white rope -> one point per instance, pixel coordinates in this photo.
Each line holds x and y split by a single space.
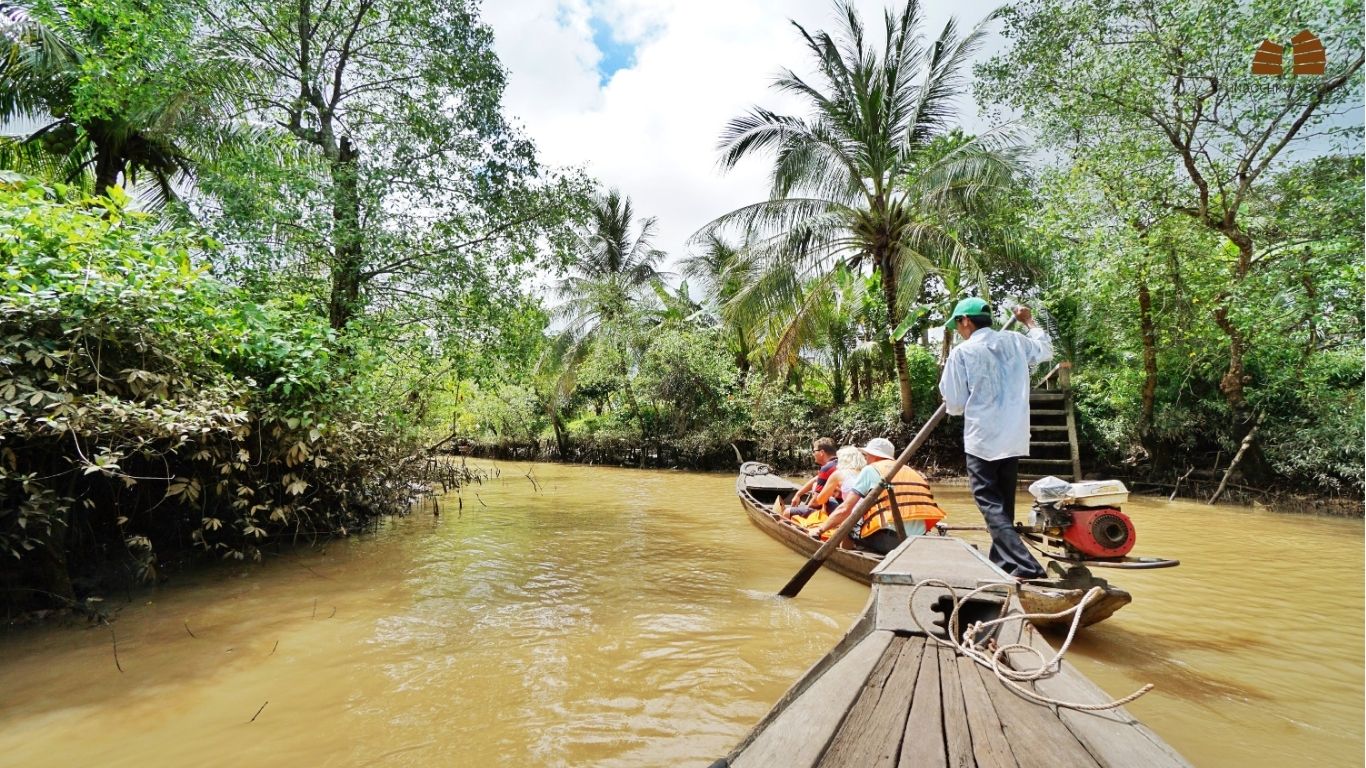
972 644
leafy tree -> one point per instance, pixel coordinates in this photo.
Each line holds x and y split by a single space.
415 186
1161 75
689 379
721 270
839 189
1133 282
117 89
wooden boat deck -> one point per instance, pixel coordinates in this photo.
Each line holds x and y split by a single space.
890 695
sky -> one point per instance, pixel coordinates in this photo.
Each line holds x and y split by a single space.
636 92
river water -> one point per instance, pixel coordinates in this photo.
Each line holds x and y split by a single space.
615 617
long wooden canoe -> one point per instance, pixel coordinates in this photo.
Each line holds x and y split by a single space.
758 488
891 693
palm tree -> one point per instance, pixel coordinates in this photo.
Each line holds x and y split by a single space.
836 327
840 191
42 64
721 271
987 232
617 267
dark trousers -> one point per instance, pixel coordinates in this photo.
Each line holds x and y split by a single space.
993 488
882 541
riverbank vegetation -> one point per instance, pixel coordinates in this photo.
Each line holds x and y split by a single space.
1190 233
259 261
234 291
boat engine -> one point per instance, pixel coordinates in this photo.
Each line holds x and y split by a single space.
1082 523
1105 532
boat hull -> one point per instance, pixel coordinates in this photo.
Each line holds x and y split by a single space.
757 497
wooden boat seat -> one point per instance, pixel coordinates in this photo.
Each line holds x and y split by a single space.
934 557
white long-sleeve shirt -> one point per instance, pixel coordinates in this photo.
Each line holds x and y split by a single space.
986 379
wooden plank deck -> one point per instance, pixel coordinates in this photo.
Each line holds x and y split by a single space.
891 696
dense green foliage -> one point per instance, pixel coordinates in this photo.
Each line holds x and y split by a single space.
149 408
1212 264
340 260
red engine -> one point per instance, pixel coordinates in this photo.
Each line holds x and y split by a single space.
1100 532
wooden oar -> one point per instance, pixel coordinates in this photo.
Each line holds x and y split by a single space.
795 584
814 564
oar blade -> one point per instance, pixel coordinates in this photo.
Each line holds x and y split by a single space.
795 584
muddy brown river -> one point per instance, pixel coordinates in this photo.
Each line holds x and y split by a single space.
613 617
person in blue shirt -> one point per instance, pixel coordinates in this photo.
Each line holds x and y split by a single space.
986 380
877 529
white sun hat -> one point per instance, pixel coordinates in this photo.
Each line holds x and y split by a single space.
880 447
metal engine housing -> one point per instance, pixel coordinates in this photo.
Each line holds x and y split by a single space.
1100 532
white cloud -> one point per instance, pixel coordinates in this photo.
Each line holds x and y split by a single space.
651 130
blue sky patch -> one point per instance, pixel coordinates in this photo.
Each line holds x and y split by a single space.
616 55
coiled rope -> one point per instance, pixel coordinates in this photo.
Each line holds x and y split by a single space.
973 644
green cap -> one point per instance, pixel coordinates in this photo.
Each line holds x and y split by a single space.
966 308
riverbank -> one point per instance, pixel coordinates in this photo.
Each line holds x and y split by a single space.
940 460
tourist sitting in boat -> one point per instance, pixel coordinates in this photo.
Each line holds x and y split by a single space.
823 452
849 462
914 501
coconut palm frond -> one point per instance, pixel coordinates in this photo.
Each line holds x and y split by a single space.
37 64
29 156
864 179
811 311
758 221
945 81
756 131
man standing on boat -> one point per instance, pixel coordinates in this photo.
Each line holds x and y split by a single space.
986 380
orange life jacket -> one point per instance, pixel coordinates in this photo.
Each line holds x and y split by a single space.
913 499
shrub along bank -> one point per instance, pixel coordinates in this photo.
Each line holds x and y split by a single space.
150 412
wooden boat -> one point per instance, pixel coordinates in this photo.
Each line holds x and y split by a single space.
891 693
758 488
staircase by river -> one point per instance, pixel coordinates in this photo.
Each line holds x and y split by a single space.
1052 429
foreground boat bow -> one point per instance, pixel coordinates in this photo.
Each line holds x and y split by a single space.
891 693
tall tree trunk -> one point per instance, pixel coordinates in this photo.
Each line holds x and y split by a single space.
1149 334
837 379
903 369
561 439
108 164
855 391
346 238
625 372
1233 381
1311 308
